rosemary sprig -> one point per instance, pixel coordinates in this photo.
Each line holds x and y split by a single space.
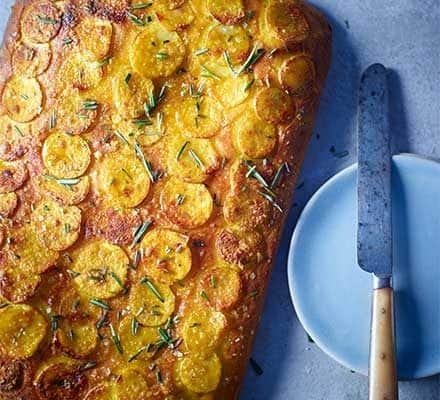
44 19
181 150
140 6
140 232
135 19
145 162
207 73
254 56
150 285
201 51
271 199
195 158
90 104
116 339
100 304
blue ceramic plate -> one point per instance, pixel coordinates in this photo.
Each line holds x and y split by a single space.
332 295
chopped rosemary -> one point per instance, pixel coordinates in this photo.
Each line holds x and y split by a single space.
140 6
213 281
195 158
117 279
137 353
100 304
142 122
116 339
165 338
254 56
128 77
104 61
270 198
68 181
201 51
89 104
207 73
135 19
159 377
54 322
145 162
153 101
134 326
140 232
277 178
67 41
121 137
253 172
180 198
44 19
181 150
204 295
52 120
88 365
145 281
249 85
66 228
162 55
18 130
228 60
126 173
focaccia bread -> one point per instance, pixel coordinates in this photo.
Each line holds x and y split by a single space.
148 156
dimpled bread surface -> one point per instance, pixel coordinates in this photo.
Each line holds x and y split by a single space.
148 156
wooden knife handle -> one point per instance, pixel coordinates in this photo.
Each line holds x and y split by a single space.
383 375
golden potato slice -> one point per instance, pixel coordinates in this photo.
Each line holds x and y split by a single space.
78 72
130 92
156 52
201 375
95 36
136 339
144 134
18 285
253 138
131 384
167 257
192 160
57 226
74 114
274 106
285 22
233 39
226 12
199 117
297 74
188 205
152 303
23 98
78 338
67 195
40 22
65 371
22 328
8 204
14 138
13 175
241 246
103 391
66 156
26 253
220 287
175 15
101 268
202 329
122 179
31 60
232 91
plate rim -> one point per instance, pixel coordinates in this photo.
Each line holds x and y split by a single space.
398 158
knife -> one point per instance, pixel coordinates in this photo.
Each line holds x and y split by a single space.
374 234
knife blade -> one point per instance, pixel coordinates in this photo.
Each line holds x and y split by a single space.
374 235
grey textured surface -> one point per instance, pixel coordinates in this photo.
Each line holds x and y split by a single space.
404 35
